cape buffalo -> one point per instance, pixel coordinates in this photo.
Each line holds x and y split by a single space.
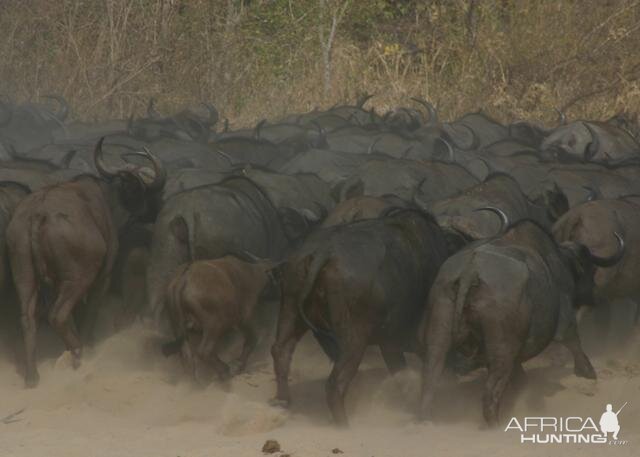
501 302
501 190
354 285
591 142
591 224
208 298
63 240
235 215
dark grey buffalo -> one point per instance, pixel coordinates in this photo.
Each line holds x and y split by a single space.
424 182
208 222
499 190
354 285
591 142
32 125
332 167
501 302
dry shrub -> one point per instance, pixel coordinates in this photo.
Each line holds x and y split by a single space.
259 58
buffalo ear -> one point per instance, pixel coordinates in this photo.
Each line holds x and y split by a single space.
131 191
556 202
576 256
456 240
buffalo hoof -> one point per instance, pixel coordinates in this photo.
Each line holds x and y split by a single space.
585 370
278 403
31 381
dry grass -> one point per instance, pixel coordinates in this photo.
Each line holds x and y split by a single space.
515 59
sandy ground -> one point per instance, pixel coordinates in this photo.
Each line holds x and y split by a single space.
127 400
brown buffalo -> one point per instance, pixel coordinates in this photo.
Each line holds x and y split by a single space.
206 299
591 224
63 240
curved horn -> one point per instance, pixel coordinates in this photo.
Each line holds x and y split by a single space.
159 172
562 117
152 113
105 170
593 195
475 141
490 168
372 145
501 214
225 156
433 114
362 100
213 113
254 258
258 128
452 154
606 262
593 146
63 112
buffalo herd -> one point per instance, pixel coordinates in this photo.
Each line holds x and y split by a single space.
470 242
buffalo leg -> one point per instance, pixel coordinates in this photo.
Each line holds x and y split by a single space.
61 318
344 370
290 329
29 296
88 327
582 365
29 329
207 352
249 344
437 339
393 357
502 348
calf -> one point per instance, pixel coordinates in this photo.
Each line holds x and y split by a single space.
208 298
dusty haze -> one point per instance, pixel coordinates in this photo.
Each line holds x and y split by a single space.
127 400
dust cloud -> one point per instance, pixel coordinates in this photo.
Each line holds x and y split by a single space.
128 400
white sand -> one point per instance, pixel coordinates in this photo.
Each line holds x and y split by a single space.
126 400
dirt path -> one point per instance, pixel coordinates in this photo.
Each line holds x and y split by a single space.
127 401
